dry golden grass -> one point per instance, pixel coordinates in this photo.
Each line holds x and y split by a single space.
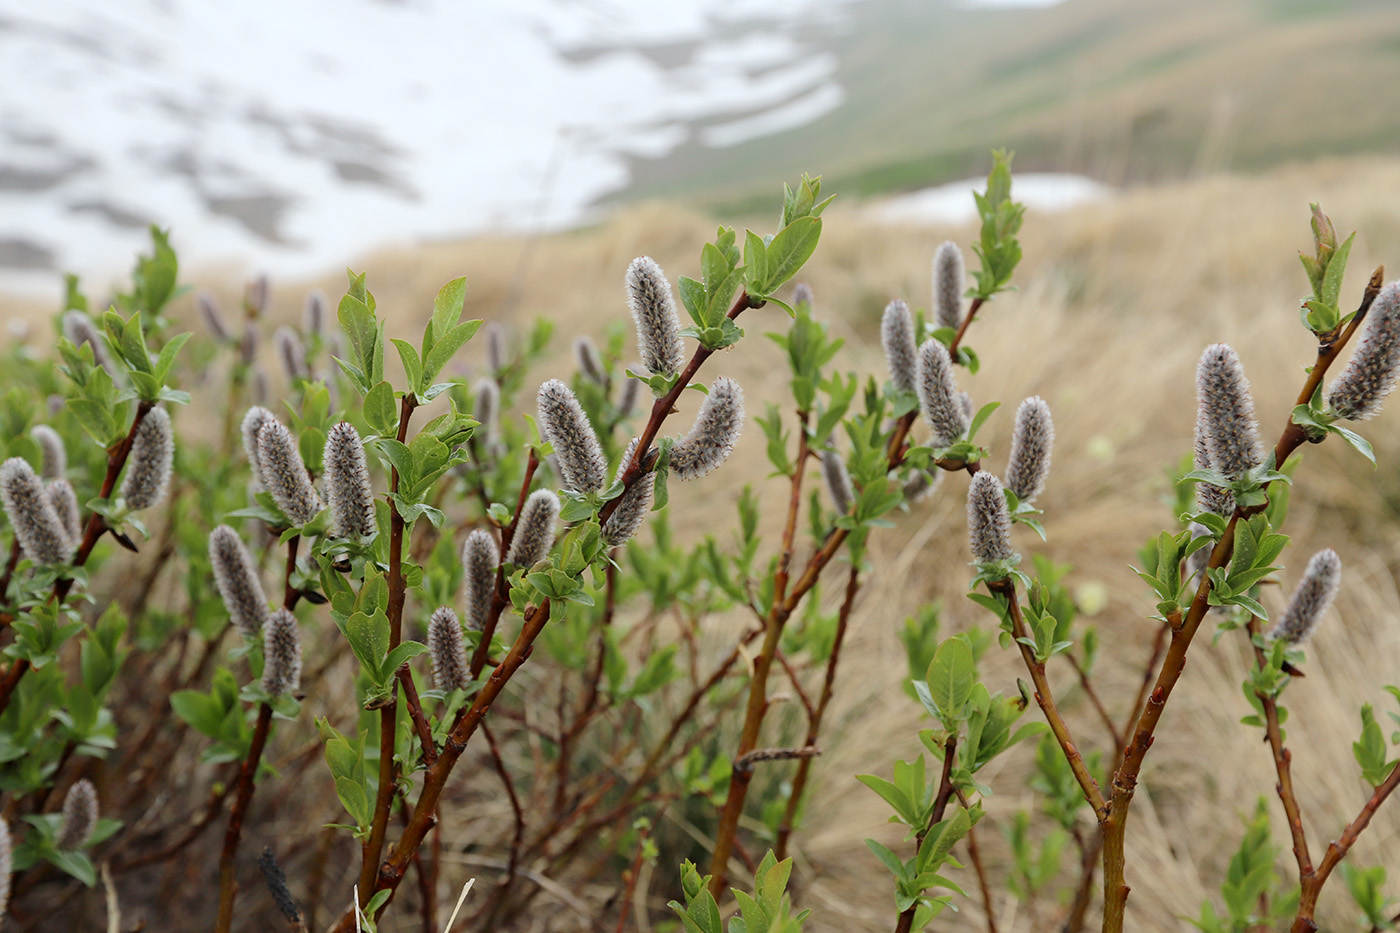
1114 307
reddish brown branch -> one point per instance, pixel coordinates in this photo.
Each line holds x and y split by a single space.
228 874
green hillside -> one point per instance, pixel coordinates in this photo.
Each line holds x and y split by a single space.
1121 91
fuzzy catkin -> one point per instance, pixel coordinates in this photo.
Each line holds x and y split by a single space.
897 337
949 274
281 654
148 466
801 295
988 520
65 504
1031 443
627 398
313 312
1311 600
79 330
496 357
1371 373
256 292
712 436
54 454
486 405
291 352
284 474
79 816
838 480
1213 499
589 361
534 529
939 399
632 505
480 558
213 317
6 867
237 579
1227 412
38 527
448 651
248 345
654 311
566 426
921 484
253 422
348 490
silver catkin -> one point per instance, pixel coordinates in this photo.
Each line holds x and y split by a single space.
236 577
988 521
1370 375
480 558
654 311
1031 443
448 651
148 466
79 816
712 436
589 361
897 337
486 406
939 398
1214 499
313 312
632 506
284 474
921 484
39 529
838 480
253 422
79 330
1311 600
534 529
65 503
248 345
348 490
291 352
627 398
566 426
496 357
1227 412
801 295
258 390
54 454
213 318
949 276
6 867
281 654
256 293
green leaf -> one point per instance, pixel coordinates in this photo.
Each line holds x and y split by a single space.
1336 269
446 346
791 249
447 310
755 263
412 366
950 678
380 411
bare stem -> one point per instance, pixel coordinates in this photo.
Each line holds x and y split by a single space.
228 875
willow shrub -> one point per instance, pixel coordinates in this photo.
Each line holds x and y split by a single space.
521 530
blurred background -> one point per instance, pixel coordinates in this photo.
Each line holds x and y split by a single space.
1167 149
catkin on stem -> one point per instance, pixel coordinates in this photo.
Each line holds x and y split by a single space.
1213 499
939 399
1310 601
1031 443
589 361
897 338
52 450
496 358
566 426
486 407
64 500
148 466
291 352
1370 375
313 313
281 654
213 317
38 527
712 436
448 651
480 558
79 816
6 866
534 529
838 480
284 474
654 311
949 276
988 520
253 422
236 576
348 489
632 506
1227 412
